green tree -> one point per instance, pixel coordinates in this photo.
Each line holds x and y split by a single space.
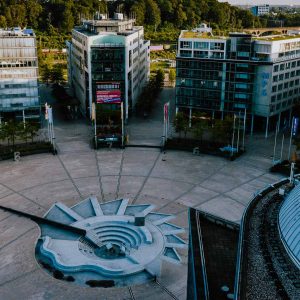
172 75
3 23
56 74
68 18
16 15
152 14
159 79
34 10
181 124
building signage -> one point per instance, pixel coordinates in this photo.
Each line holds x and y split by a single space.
110 97
295 126
108 92
264 83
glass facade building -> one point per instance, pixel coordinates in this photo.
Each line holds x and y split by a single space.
238 73
18 75
106 52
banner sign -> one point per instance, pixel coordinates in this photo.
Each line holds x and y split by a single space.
110 97
108 92
295 126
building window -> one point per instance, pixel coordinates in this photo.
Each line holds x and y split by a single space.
185 44
281 67
201 45
240 96
216 46
274 89
242 86
185 53
201 54
275 78
276 68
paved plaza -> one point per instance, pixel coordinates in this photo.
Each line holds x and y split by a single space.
172 182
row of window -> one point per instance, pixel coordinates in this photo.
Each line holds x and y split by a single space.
21 95
11 42
18 73
284 95
201 54
29 85
286 85
284 104
286 66
105 54
17 103
287 75
199 74
202 45
196 102
195 64
12 63
17 52
107 67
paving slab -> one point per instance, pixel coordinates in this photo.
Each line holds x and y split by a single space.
224 207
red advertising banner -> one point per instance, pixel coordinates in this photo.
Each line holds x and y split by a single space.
109 97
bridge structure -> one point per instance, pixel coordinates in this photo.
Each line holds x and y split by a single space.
265 31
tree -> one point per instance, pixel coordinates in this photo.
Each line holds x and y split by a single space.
172 76
34 10
152 13
56 74
46 73
68 18
3 23
159 79
181 123
32 130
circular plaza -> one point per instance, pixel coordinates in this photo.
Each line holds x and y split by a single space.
171 182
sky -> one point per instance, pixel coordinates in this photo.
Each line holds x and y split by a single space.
254 2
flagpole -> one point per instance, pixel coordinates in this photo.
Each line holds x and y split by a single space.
122 120
244 133
94 116
275 142
232 143
290 144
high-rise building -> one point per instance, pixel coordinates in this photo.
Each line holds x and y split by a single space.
239 73
260 10
19 98
108 62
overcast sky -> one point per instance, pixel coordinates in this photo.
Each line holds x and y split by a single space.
254 2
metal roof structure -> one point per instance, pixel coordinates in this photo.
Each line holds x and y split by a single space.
289 224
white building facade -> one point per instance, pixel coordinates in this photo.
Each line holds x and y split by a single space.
260 10
108 55
238 73
19 97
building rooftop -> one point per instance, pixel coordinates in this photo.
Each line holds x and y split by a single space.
186 34
289 224
15 32
273 38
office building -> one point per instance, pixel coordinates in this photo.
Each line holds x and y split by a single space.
19 98
108 62
260 10
239 73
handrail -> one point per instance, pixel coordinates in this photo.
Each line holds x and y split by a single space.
239 264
